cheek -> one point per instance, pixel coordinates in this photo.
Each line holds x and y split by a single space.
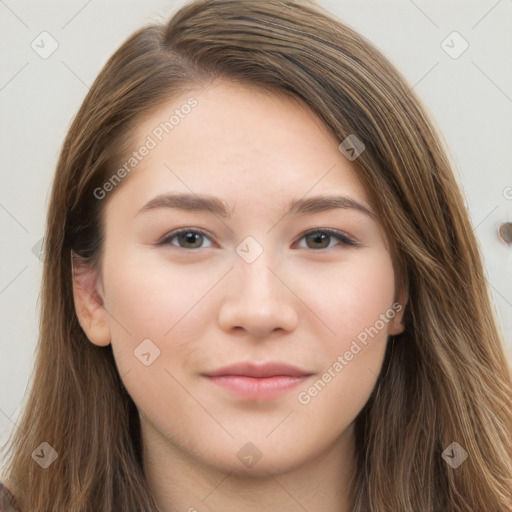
151 297
157 303
349 296
353 304
155 320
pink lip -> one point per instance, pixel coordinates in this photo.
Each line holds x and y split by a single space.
250 369
258 381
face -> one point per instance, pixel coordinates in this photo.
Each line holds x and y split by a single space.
247 281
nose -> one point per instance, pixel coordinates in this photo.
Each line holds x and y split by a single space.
259 300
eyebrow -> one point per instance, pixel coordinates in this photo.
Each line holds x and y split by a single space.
215 205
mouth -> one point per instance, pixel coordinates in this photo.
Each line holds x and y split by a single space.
253 381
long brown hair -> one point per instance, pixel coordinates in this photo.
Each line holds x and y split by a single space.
444 380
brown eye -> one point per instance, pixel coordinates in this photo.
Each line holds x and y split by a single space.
317 239
187 238
321 238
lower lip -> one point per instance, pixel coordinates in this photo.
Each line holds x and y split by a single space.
258 388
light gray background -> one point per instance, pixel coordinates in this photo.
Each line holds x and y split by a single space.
470 99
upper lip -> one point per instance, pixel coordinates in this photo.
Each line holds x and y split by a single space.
252 369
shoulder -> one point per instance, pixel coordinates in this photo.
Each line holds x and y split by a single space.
7 500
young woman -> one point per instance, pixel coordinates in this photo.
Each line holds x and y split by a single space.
261 287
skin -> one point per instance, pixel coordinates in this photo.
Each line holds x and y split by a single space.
301 301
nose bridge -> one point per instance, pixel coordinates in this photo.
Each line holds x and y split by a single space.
258 301
253 269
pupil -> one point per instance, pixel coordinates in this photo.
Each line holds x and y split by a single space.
190 237
319 237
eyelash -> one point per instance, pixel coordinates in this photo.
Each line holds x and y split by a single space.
344 239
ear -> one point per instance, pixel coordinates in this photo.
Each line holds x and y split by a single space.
396 325
89 301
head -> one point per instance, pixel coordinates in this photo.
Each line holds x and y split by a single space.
259 114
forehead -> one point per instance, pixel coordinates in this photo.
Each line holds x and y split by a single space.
241 143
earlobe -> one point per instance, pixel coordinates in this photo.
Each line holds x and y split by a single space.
89 301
